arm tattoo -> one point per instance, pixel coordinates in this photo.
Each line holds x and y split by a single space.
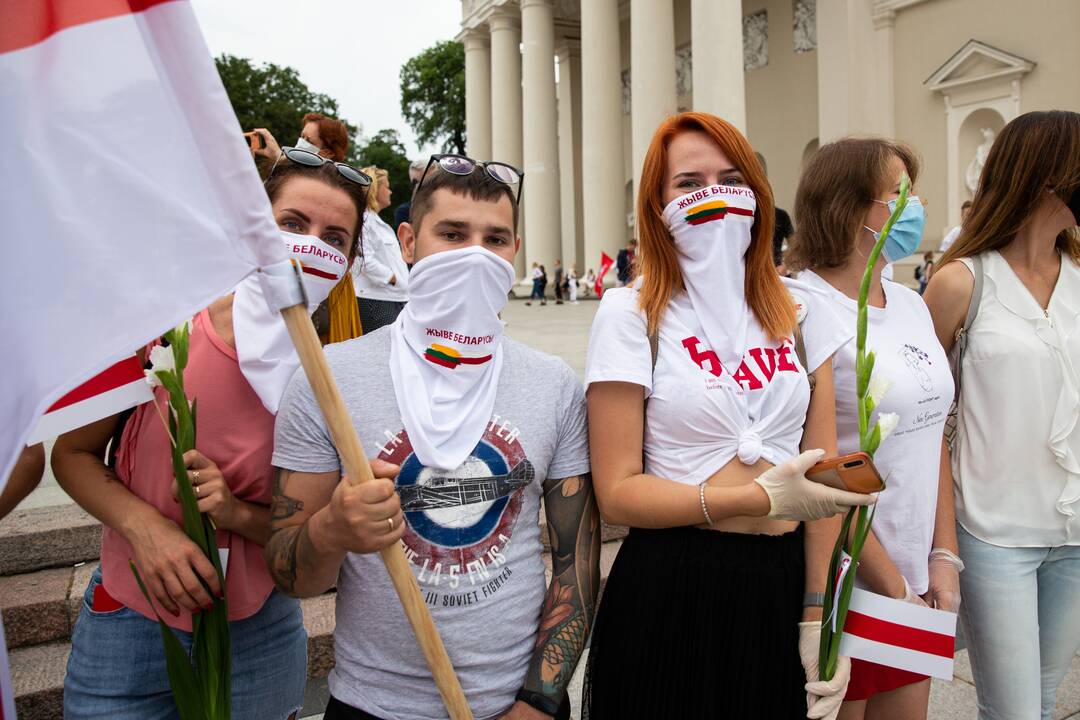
574 528
287 544
283 507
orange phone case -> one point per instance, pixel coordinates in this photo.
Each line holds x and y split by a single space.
854 472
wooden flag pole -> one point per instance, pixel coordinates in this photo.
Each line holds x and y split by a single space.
357 470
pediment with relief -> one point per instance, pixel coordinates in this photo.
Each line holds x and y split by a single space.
977 62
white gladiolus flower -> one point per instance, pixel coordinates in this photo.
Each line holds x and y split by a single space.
878 387
161 360
887 422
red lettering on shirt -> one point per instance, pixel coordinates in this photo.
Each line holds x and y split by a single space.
746 378
768 370
785 364
705 359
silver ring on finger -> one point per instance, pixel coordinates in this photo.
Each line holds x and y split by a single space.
391 521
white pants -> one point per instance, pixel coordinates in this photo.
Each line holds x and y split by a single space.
573 291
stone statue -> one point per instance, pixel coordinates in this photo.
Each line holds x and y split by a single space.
974 170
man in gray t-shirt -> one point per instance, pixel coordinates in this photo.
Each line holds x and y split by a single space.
471 534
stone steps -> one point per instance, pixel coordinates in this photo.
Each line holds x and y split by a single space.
48 537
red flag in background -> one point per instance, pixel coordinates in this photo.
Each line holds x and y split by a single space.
605 264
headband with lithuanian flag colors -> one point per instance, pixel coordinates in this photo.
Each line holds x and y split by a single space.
451 358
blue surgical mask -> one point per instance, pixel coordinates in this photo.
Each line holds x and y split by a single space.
907 231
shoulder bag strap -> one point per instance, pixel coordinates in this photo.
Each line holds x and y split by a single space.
800 350
956 357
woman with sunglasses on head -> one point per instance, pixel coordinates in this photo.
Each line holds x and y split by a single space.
381 277
845 195
698 404
1005 300
237 369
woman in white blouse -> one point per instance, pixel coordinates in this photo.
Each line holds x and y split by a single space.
698 403
845 195
381 275
1017 454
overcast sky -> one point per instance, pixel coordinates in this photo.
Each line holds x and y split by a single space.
352 50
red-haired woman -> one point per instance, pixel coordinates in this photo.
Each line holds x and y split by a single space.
698 403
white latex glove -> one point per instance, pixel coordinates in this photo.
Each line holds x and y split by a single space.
910 596
944 590
823 698
793 497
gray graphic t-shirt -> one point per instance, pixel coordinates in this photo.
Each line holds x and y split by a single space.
472 539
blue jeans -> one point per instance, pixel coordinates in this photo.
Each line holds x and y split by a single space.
117 666
1020 613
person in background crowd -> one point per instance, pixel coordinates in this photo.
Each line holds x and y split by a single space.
474 426
25 476
319 134
543 282
381 276
117 667
401 213
925 270
782 230
590 283
572 283
624 264
559 279
701 612
950 237
538 285
1016 459
336 319
845 195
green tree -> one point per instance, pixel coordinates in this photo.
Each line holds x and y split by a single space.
273 97
433 95
385 150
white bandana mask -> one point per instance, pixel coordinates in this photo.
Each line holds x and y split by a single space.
446 352
711 229
263 348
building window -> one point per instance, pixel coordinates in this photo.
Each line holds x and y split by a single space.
756 40
805 25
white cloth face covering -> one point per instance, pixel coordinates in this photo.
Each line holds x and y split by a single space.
446 352
263 347
711 229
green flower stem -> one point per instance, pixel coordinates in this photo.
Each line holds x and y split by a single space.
869 440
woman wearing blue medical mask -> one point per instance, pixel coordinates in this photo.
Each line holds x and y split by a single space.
845 196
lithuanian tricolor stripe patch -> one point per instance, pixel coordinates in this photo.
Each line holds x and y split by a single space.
451 358
715 210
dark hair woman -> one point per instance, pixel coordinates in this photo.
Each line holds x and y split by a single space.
701 613
1016 457
117 666
845 195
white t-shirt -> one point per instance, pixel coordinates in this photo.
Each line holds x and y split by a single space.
381 261
950 238
908 354
700 414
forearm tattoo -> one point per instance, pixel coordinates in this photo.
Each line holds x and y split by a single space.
566 618
287 544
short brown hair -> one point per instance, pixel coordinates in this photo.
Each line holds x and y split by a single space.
333 134
835 190
326 173
477 185
1036 152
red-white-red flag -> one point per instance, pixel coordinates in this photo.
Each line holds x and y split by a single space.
605 265
129 198
899 634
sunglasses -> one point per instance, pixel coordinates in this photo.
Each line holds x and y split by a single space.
310 159
500 172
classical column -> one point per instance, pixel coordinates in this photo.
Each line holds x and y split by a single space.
848 80
477 94
652 72
543 225
884 22
717 40
602 186
506 98
570 152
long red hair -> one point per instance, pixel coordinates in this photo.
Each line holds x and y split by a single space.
766 295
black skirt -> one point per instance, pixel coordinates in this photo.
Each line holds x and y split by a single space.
699 624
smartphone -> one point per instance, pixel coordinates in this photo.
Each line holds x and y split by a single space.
255 140
854 472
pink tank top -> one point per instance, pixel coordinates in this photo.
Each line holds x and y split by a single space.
237 433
